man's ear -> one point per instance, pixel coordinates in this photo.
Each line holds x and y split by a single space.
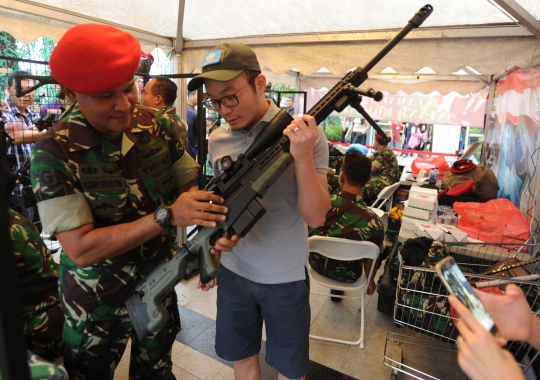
72 96
159 101
260 83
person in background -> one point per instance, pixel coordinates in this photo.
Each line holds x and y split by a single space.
20 125
385 168
346 124
37 280
349 218
192 123
395 134
289 103
264 278
56 107
480 354
112 179
357 133
160 94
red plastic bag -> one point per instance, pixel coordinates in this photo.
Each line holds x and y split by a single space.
496 221
428 163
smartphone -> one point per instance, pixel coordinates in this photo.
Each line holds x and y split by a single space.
457 285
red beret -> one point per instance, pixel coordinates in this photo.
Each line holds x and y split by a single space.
93 58
462 166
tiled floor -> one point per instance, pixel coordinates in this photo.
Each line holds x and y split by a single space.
195 358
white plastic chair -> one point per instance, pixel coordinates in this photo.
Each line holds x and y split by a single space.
386 194
343 249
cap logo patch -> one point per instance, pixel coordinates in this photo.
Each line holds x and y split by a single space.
212 57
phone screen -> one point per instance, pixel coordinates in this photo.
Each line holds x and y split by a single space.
457 284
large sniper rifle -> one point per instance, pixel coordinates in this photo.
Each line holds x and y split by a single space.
241 182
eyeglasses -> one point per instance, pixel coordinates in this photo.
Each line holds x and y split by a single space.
227 101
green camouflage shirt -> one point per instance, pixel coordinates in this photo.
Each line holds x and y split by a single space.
37 276
387 165
81 177
349 218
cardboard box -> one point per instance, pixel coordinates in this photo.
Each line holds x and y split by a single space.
452 234
429 230
418 214
422 201
408 223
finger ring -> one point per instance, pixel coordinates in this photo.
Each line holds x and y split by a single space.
296 130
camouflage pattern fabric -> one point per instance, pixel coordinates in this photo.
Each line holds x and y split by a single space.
333 184
37 276
122 179
349 218
386 175
41 369
430 312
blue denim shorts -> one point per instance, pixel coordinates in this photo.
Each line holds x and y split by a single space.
242 305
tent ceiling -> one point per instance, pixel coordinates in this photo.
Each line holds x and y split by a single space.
214 19
305 34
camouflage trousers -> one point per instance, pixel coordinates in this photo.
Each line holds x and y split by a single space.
374 187
97 328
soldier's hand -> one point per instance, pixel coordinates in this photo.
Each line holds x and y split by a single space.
194 207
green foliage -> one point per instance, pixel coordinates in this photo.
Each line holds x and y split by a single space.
333 132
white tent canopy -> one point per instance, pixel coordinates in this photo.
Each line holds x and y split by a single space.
308 34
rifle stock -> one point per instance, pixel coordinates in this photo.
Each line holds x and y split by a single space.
240 184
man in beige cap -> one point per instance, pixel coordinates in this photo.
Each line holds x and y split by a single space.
264 277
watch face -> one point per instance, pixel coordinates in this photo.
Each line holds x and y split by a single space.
161 214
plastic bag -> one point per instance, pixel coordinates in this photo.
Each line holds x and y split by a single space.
427 163
496 221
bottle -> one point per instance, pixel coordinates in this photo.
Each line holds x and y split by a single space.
433 176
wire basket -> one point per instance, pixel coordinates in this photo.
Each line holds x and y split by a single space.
422 305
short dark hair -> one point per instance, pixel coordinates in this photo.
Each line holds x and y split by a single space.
166 88
23 74
290 97
357 168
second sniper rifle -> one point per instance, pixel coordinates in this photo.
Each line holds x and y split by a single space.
241 182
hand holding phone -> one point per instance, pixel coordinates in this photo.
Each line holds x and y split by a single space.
457 285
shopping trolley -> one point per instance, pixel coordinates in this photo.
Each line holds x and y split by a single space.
421 304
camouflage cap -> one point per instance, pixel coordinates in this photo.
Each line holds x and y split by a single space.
224 63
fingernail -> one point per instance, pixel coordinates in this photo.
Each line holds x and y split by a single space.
223 218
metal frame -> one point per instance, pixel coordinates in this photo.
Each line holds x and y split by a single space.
473 256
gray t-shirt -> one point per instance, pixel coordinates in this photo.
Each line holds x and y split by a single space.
275 250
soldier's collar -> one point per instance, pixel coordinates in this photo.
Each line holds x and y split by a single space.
350 196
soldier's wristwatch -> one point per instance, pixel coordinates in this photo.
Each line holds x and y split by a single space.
162 216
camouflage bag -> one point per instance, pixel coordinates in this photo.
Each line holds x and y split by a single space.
339 270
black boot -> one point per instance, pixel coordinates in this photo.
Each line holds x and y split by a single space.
336 292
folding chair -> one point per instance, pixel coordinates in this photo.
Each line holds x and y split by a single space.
386 194
343 249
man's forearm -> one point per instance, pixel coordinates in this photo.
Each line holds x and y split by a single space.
313 198
86 246
26 136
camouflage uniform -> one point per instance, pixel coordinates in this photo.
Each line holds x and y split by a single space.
37 276
333 184
81 177
41 369
386 175
350 218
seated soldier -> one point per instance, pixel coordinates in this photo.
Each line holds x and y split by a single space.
385 169
350 218
37 278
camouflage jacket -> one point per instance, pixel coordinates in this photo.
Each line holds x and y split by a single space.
37 276
387 165
350 218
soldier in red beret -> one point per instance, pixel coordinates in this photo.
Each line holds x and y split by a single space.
112 179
